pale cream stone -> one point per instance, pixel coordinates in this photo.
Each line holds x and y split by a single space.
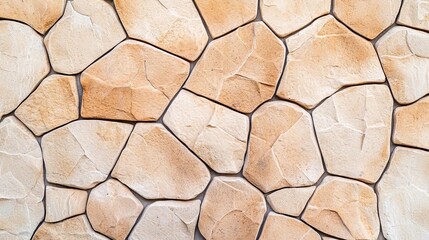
353 128
23 63
135 81
62 203
241 69
172 25
323 58
232 209
283 149
415 13
82 153
156 165
54 103
344 208
215 133
403 195
21 181
87 30
290 201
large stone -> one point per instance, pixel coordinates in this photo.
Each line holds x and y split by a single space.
21 181
283 149
173 25
156 165
82 153
87 30
415 13
344 208
323 58
215 133
290 201
231 209
62 203
23 63
403 195
353 128
135 81
54 103
241 69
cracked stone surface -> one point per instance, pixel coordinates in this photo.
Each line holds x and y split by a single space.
62 203
415 14
290 201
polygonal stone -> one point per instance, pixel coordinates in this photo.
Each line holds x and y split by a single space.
290 201
415 13
62 203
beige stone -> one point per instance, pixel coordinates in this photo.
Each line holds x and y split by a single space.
241 69
173 25
62 203
323 58
113 209
168 220
290 201
156 165
288 16
232 209
82 153
54 103
23 63
87 30
21 181
415 13
215 133
283 149
138 90
344 208
353 128
403 195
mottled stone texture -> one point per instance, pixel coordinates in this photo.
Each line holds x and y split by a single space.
62 203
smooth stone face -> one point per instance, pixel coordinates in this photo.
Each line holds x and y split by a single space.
82 153
353 128
23 62
21 181
172 25
290 201
241 69
87 30
323 58
232 209
215 133
54 103
62 203
415 14
156 165
344 208
283 149
403 195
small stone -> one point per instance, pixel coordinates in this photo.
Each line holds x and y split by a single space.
403 195
353 128
241 69
415 14
283 149
54 103
344 208
290 201
156 165
232 209
62 203
82 153
87 30
172 25
215 133
139 90
113 209
325 57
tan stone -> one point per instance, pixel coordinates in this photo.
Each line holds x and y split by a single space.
113 209
415 13
62 203
232 209
344 208
241 69
54 103
215 133
323 58
283 149
168 220
82 153
353 128
138 90
156 165
23 63
87 30
173 25
288 16
21 181
403 195
290 201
